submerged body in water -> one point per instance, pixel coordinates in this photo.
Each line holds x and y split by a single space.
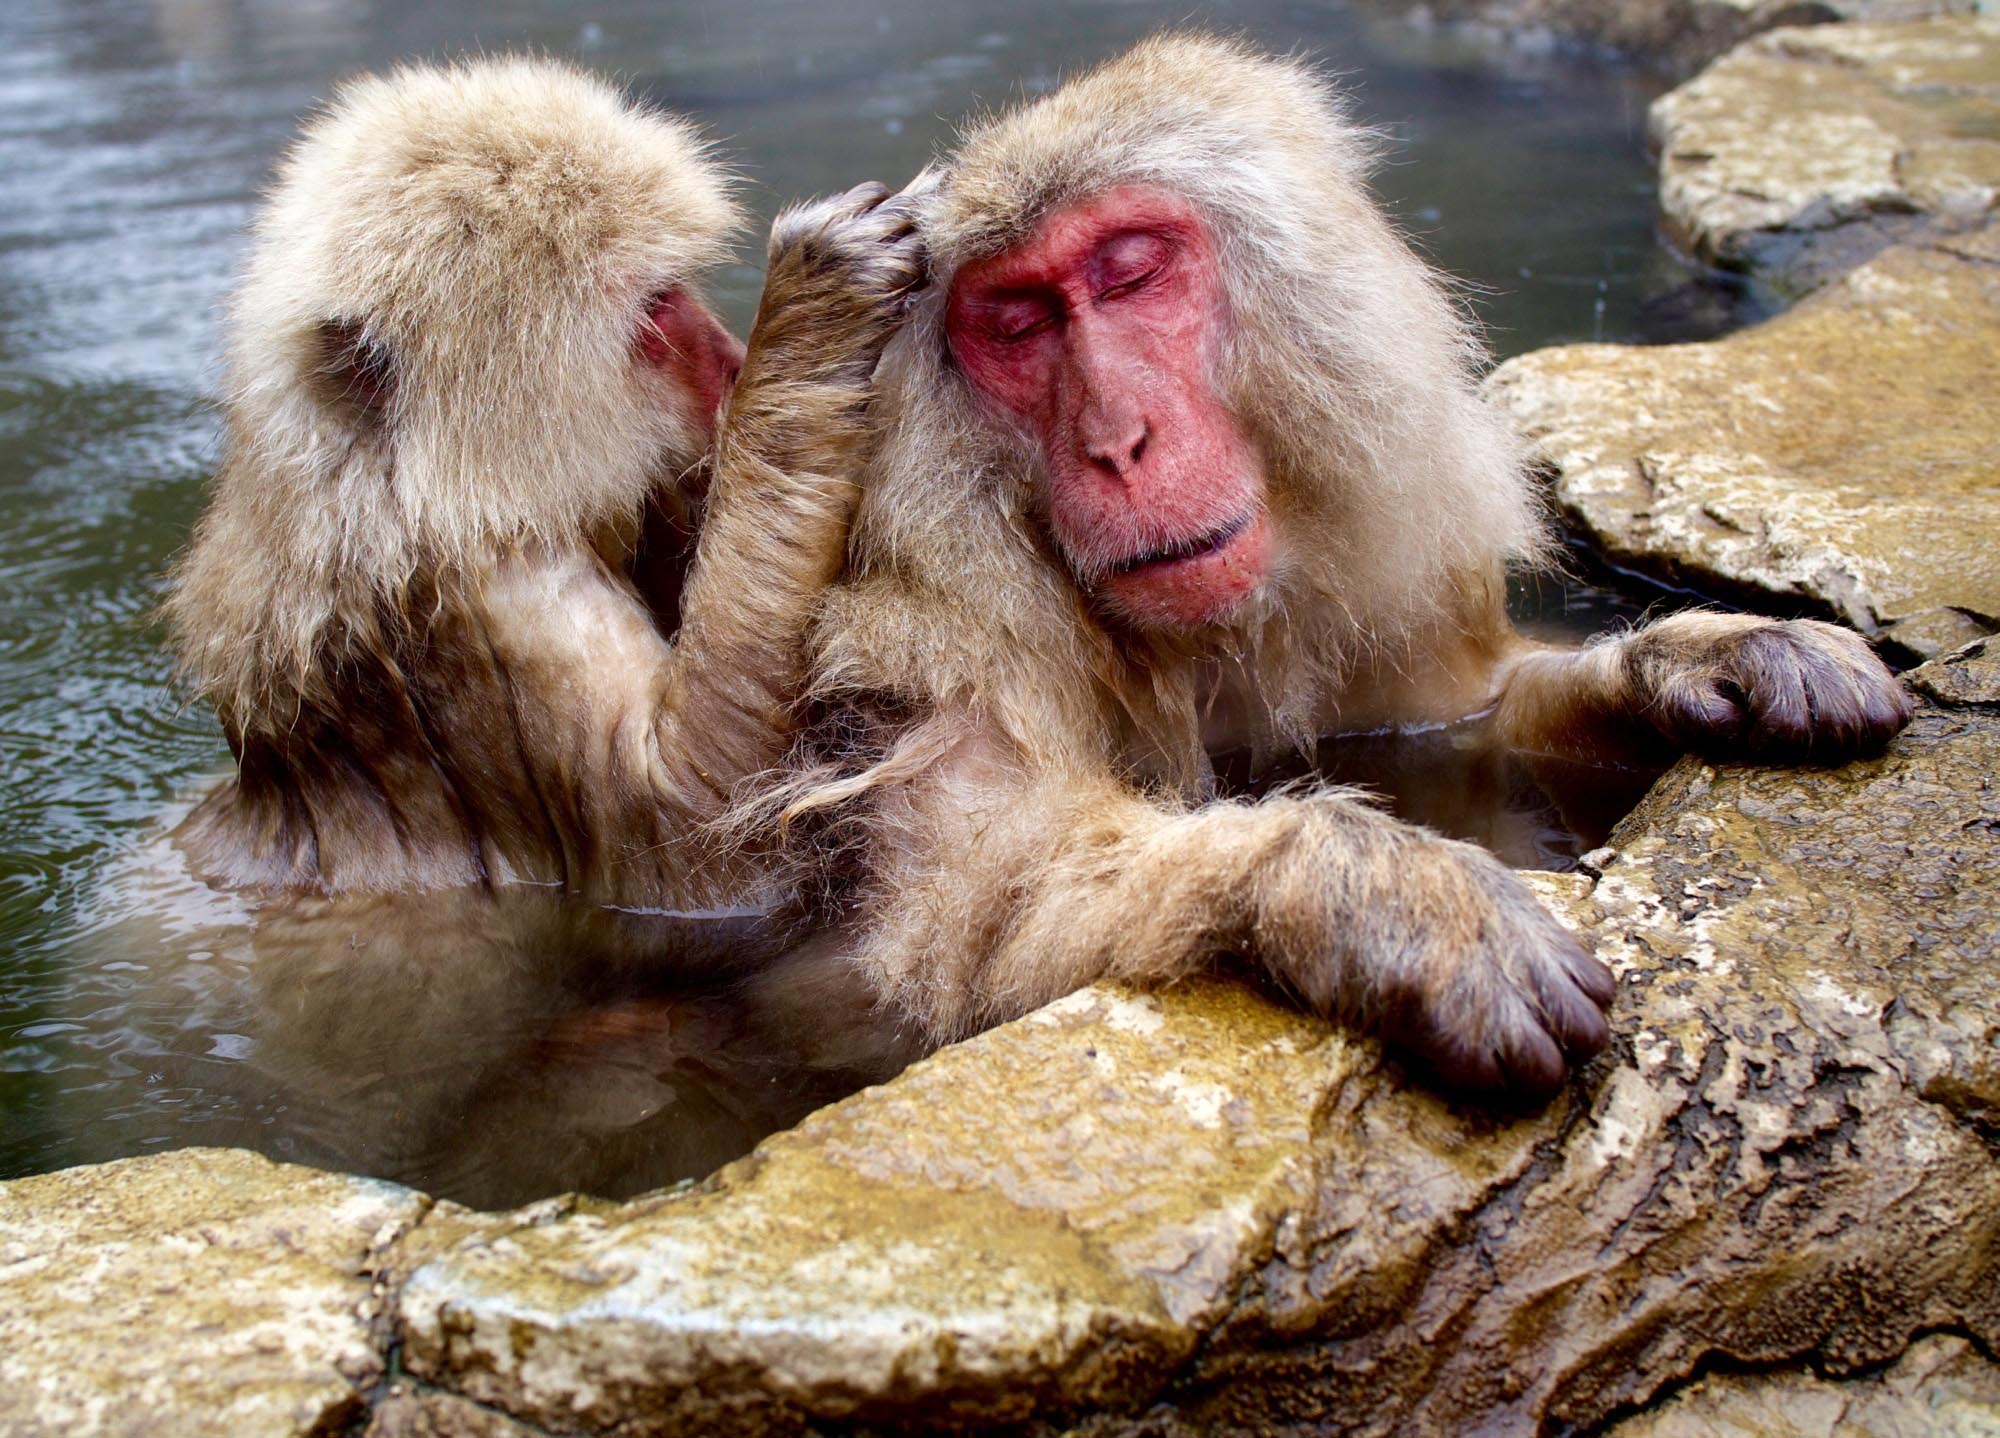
493 1052
497 1046
488 1046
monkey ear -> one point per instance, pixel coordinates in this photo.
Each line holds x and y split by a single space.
353 371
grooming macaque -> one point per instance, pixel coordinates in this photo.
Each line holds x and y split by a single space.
1182 453
471 380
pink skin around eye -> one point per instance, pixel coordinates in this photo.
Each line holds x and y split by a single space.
1099 335
683 339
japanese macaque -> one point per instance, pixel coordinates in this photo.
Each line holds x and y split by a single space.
1182 452
473 395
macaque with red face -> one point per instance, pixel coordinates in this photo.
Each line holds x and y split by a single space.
1184 453
1100 337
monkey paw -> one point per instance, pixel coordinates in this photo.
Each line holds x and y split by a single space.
1478 981
850 262
1736 685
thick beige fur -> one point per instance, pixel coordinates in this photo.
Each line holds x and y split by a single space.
418 618
1009 799
478 220
1352 367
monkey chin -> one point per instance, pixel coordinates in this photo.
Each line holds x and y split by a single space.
1194 590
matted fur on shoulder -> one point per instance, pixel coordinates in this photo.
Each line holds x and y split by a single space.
480 239
1398 491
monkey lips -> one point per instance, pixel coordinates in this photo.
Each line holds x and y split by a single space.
1198 581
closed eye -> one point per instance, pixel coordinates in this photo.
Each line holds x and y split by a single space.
1126 287
1012 323
1027 331
1129 262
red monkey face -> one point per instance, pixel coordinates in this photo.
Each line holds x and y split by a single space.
690 347
1100 336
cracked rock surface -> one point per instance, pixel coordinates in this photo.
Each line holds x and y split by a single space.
1842 459
1198 1211
1806 151
204 1292
1943 1387
1681 34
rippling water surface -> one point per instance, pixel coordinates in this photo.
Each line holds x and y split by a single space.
133 138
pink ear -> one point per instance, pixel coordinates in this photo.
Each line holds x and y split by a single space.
689 343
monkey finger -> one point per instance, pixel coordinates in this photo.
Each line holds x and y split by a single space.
883 226
1857 704
1701 712
912 259
1531 1064
862 198
1774 677
1573 1015
1507 1054
1464 1062
1592 975
932 180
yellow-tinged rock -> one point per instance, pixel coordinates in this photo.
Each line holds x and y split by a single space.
1845 454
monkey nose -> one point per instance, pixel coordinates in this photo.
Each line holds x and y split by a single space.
1118 450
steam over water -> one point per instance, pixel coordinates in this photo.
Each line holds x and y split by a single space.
133 139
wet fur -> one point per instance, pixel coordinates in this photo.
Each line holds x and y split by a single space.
1009 798
417 619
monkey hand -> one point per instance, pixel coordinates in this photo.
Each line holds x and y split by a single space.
1431 944
1736 685
1469 974
841 273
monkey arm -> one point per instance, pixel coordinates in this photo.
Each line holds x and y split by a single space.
794 442
1722 683
998 887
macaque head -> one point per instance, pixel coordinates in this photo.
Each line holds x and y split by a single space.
471 319
1177 351
487 277
1100 337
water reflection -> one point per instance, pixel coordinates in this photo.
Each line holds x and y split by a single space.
134 135
490 1048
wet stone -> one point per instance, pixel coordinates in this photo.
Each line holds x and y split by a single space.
202 1292
1805 151
1199 1211
1944 1387
1200 1199
1841 459
1045 1217
1969 675
1682 36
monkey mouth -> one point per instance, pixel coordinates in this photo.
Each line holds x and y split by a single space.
1193 582
1184 549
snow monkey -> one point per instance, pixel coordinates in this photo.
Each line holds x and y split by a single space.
1182 451
470 370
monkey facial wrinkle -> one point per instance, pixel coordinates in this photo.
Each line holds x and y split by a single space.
687 344
1099 336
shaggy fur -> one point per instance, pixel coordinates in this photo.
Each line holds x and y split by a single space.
411 598
1007 801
